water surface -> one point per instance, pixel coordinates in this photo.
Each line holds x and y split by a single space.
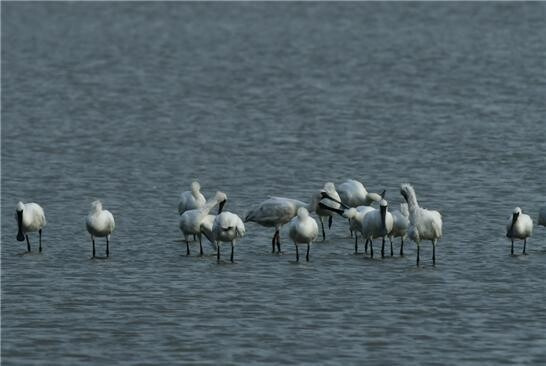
131 102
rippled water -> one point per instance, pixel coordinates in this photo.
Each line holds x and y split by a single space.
131 102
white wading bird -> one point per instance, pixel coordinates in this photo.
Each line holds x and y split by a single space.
206 229
424 224
377 224
30 217
190 200
100 223
330 189
191 220
277 211
519 226
542 216
400 226
355 217
227 227
353 194
303 229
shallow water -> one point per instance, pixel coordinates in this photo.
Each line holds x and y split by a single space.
129 103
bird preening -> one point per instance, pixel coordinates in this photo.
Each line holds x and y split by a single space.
350 200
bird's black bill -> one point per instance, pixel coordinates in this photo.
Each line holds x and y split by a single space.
325 207
383 214
326 195
20 236
383 193
221 206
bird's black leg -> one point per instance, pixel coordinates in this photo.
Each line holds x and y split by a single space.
392 253
433 253
356 244
218 252
512 250
307 256
187 247
28 243
273 242
524 245
200 246
383 248
417 254
278 242
93 240
40 238
107 246
194 238
371 248
402 246
297 253
231 252
330 219
365 245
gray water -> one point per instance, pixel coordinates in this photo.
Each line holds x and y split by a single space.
131 102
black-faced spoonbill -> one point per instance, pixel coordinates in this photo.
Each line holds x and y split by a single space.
424 224
277 211
227 227
400 226
100 223
30 217
303 229
190 200
519 226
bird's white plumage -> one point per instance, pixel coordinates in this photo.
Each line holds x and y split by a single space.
227 227
191 220
374 226
274 211
424 224
303 229
206 226
427 223
400 222
99 222
356 217
353 194
33 217
192 199
522 226
329 188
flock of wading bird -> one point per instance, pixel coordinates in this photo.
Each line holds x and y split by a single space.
350 200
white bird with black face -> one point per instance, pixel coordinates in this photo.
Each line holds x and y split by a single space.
303 229
330 189
191 221
519 226
400 225
227 227
100 223
542 216
424 224
30 217
190 200
377 224
277 211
